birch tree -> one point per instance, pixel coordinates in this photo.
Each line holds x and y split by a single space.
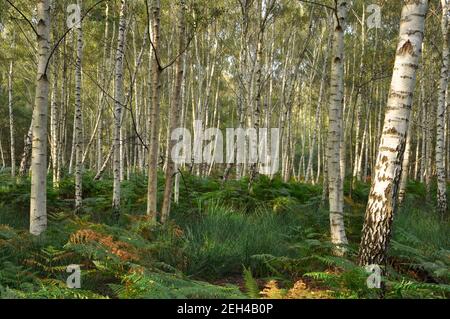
118 104
335 131
441 112
383 194
174 114
2 156
38 196
154 114
55 108
309 174
54 134
27 148
405 165
78 119
11 119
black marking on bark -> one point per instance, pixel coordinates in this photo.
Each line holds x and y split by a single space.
407 48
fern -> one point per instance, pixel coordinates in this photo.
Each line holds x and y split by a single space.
14 276
323 276
410 289
271 291
151 285
250 284
49 260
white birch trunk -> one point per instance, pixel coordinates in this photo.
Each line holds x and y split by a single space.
154 119
11 119
309 168
383 195
424 133
78 120
440 114
405 165
119 101
174 118
54 134
24 162
38 196
336 196
2 156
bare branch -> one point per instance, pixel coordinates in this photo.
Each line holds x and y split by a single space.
318 4
67 31
26 19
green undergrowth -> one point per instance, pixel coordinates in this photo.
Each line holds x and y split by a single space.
223 241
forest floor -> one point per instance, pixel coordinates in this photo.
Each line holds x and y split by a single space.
221 242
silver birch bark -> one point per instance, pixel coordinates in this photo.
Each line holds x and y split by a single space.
54 116
405 165
2 156
183 123
102 94
54 134
78 120
364 147
383 195
429 150
417 153
175 109
24 162
72 149
11 119
358 153
309 176
62 118
424 133
154 115
440 114
243 73
336 196
119 101
38 196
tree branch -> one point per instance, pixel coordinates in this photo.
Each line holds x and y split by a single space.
150 36
319 4
26 19
67 31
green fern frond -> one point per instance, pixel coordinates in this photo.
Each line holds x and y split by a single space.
250 284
